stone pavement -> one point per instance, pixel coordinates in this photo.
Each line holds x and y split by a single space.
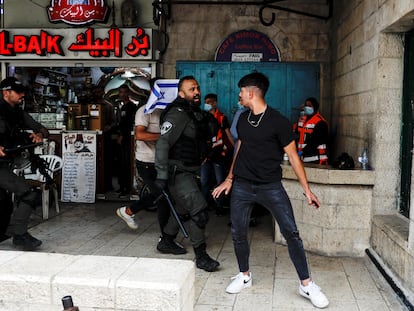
94 229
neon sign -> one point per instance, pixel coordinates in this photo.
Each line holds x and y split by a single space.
95 43
98 47
39 45
77 12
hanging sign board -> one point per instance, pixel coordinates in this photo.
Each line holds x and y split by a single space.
78 12
247 46
79 167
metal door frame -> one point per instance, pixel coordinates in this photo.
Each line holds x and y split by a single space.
407 125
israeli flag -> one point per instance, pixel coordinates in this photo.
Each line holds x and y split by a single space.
163 93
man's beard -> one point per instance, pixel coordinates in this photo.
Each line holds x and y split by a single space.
195 102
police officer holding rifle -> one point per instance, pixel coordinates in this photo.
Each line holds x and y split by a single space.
13 125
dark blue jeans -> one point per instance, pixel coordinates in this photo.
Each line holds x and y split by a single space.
274 198
211 171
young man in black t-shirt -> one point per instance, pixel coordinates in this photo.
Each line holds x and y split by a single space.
255 175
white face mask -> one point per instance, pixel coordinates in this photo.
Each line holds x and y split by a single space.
308 111
207 107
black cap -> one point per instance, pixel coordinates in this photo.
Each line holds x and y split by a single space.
11 83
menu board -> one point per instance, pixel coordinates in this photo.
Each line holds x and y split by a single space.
79 167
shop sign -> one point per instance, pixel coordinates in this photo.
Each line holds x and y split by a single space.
77 43
247 46
78 12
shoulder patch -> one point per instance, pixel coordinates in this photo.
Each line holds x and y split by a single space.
166 127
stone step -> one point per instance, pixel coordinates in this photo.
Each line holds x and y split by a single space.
38 281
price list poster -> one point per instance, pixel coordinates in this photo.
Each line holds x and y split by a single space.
79 167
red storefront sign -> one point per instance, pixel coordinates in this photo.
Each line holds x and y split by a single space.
78 12
95 42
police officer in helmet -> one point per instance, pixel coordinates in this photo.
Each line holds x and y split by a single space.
13 123
186 133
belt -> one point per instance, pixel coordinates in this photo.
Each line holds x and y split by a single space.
252 181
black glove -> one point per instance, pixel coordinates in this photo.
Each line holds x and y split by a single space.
161 184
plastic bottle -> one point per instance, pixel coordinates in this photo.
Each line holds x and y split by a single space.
363 159
71 119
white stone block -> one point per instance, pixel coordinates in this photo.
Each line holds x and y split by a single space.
6 256
157 284
27 277
344 242
90 280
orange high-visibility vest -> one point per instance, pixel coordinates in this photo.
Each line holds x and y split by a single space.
218 140
305 127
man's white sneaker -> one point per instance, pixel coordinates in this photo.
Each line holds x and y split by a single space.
239 282
314 294
130 221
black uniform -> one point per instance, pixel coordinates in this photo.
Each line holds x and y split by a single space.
126 125
185 140
13 122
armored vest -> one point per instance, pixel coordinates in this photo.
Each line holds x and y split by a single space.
192 148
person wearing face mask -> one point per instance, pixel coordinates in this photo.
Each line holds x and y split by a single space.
217 162
184 142
313 134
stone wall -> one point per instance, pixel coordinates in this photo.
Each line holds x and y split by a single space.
195 32
33 14
389 240
367 77
367 74
342 224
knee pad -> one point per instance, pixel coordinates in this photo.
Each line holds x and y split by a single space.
184 217
201 218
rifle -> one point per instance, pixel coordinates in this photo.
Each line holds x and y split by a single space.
22 148
34 159
173 211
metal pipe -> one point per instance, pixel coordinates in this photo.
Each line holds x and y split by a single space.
390 281
265 4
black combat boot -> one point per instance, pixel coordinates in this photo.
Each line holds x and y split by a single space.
167 245
26 242
203 260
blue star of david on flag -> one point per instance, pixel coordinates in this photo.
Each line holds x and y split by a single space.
163 93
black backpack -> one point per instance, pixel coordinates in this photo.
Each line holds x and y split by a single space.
344 162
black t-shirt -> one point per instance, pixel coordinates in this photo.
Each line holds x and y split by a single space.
261 150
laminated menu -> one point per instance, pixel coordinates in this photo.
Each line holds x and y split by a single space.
79 167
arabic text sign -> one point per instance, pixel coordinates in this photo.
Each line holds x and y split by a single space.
113 43
79 167
78 12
